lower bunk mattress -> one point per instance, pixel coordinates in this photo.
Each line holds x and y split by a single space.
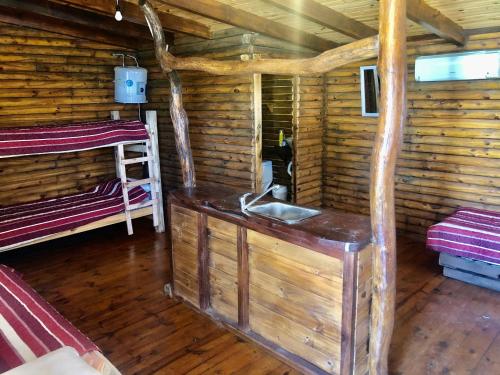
28 221
32 331
469 233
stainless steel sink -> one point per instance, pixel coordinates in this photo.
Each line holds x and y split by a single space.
285 212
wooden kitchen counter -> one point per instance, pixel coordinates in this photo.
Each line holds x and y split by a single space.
302 291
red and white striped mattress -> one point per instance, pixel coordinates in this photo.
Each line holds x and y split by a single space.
24 222
29 326
73 137
469 232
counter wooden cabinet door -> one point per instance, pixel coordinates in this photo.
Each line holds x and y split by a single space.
296 299
184 229
223 268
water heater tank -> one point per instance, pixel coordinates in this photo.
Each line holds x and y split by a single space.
130 84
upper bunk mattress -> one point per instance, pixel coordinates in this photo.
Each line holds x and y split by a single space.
29 326
65 138
469 232
27 221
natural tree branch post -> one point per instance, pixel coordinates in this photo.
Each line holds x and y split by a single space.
392 70
181 130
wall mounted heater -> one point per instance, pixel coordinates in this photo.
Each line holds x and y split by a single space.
458 66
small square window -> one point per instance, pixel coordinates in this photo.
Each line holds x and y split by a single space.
369 90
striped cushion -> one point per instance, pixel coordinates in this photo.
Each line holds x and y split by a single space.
24 222
469 232
74 137
29 326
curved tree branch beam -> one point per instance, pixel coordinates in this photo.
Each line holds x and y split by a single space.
360 50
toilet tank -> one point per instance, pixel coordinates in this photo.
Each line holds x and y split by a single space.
130 84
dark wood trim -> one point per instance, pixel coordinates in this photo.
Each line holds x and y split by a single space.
348 312
80 17
203 274
170 245
54 25
331 248
132 13
243 280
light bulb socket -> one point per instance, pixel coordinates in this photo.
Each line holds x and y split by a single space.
118 13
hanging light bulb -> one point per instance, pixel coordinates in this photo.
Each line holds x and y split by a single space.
118 13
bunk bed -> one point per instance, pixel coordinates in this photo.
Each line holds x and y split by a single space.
119 200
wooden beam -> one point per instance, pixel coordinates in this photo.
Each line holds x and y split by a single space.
132 13
80 17
37 21
240 18
433 20
393 75
325 16
360 50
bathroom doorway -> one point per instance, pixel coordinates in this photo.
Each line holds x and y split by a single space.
277 129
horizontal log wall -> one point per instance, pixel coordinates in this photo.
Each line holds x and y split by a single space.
49 78
450 154
220 112
308 138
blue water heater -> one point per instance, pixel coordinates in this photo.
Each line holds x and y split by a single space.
130 84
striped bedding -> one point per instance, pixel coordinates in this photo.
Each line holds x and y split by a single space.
74 137
24 222
29 326
469 232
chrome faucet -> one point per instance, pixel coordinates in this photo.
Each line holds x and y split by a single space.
244 206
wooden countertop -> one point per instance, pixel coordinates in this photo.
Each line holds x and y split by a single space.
332 232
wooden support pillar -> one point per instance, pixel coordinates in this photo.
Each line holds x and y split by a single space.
392 70
181 129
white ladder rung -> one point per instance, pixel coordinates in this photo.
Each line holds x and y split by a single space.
140 205
135 183
135 148
144 159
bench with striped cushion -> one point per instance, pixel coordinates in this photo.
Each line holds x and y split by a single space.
470 232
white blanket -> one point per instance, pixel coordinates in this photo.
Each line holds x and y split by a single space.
63 361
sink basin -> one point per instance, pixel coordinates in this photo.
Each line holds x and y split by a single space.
285 212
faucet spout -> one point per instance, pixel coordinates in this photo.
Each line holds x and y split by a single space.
244 206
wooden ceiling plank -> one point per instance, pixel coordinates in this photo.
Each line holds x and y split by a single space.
29 19
240 18
433 20
325 16
78 16
132 13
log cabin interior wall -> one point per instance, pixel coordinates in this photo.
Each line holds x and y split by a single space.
450 152
220 110
50 78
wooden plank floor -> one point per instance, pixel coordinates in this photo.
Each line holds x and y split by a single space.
110 286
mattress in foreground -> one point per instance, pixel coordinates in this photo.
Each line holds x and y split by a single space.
469 232
24 222
65 138
30 327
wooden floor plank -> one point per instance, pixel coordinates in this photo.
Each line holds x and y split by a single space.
110 285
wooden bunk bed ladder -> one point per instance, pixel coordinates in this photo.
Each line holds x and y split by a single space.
150 149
